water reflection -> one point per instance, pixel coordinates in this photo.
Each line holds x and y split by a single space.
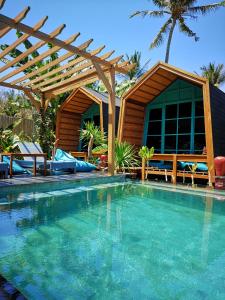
123 241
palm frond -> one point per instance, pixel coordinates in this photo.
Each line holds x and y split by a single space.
204 9
160 3
151 13
158 40
186 30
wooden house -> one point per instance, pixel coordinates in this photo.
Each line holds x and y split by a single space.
82 105
176 112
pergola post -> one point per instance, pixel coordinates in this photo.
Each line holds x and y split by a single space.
111 124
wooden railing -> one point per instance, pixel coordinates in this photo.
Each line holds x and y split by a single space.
174 172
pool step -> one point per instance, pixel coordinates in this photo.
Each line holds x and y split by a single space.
8 292
64 192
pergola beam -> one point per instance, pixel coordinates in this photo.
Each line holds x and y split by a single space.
45 37
16 87
30 51
23 38
17 19
71 64
67 73
2 2
53 63
80 76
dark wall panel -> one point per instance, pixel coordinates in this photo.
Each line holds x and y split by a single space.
217 99
105 117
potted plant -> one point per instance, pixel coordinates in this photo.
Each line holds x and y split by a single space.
146 154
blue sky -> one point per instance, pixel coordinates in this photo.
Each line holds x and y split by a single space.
108 23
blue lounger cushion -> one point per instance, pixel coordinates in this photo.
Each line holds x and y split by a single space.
201 167
17 169
81 166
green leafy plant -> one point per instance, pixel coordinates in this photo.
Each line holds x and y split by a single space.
101 149
7 140
125 156
92 135
146 153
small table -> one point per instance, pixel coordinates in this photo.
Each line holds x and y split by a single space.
34 155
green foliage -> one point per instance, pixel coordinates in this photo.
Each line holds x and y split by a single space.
146 153
92 136
15 104
103 148
7 140
125 156
89 131
214 73
177 12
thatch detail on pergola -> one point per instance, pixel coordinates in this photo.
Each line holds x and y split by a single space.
61 75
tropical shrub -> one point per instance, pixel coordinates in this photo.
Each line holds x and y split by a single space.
125 156
92 136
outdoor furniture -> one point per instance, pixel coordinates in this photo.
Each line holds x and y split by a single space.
174 172
34 148
4 169
83 155
33 155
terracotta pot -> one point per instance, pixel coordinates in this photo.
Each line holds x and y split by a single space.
220 165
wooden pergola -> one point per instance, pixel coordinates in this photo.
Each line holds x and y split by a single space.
62 74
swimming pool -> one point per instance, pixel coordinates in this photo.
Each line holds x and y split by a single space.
113 241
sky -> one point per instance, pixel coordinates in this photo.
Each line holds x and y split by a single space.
108 23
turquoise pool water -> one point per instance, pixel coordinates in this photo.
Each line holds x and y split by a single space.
113 241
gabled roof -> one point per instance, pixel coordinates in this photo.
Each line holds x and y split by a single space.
82 98
104 97
157 79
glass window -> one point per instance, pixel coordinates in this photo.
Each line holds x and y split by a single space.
184 125
154 128
171 126
199 142
154 141
199 125
171 111
184 142
170 142
155 114
185 110
199 110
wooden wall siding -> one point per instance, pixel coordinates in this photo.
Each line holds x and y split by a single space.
217 101
154 86
79 103
133 123
68 131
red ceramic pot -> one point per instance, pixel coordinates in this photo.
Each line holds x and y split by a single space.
103 157
219 162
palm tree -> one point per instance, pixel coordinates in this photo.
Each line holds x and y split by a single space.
214 73
131 77
178 11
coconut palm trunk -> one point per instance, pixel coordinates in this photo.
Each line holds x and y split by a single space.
169 41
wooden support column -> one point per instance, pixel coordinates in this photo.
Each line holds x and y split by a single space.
110 86
111 124
174 175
